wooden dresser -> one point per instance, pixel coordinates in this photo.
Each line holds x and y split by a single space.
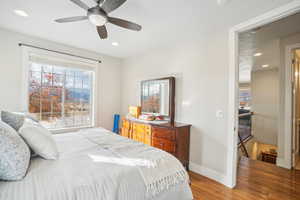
173 138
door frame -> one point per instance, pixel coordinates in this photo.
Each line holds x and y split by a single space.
289 133
269 17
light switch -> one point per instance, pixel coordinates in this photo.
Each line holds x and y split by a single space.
219 114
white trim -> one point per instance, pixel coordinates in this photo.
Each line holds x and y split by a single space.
283 163
89 65
24 83
44 54
233 109
287 112
96 98
208 172
286 161
269 17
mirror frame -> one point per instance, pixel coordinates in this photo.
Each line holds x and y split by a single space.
171 96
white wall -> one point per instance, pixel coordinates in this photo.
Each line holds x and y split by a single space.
200 63
11 75
201 89
265 99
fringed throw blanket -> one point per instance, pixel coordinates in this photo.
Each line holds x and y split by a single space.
160 170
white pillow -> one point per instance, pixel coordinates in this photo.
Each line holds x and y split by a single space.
39 139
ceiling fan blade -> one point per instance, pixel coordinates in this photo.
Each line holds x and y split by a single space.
125 24
99 1
71 19
80 4
111 5
102 31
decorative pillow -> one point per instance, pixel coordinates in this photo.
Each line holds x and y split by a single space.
14 154
39 139
13 119
27 115
16 119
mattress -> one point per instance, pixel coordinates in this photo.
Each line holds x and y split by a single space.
77 175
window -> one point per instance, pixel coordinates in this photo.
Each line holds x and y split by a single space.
245 115
60 96
245 97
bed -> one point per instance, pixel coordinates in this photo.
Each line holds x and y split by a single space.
96 164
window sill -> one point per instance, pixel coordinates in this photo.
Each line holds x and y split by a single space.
68 130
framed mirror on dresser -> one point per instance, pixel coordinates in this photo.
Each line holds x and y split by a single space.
158 97
156 125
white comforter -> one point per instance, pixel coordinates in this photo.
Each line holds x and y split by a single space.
86 170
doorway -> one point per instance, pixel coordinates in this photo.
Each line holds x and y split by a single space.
259 89
296 108
267 18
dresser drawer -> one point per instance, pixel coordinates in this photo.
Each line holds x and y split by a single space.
125 132
148 140
148 128
140 129
164 144
135 137
126 124
134 125
141 138
164 133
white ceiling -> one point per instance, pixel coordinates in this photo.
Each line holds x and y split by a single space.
164 22
265 40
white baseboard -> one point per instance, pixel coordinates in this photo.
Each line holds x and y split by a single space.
280 162
209 173
221 178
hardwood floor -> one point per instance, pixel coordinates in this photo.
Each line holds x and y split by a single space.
256 181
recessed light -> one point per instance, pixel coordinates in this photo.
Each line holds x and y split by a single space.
264 66
258 54
21 13
115 44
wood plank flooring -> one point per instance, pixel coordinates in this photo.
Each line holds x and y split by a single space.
256 181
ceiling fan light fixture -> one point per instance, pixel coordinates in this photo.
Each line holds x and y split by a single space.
98 16
97 20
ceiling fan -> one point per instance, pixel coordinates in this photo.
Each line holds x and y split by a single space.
98 16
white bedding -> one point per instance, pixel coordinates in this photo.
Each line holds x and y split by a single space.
85 171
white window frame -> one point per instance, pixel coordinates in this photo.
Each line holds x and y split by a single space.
92 65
